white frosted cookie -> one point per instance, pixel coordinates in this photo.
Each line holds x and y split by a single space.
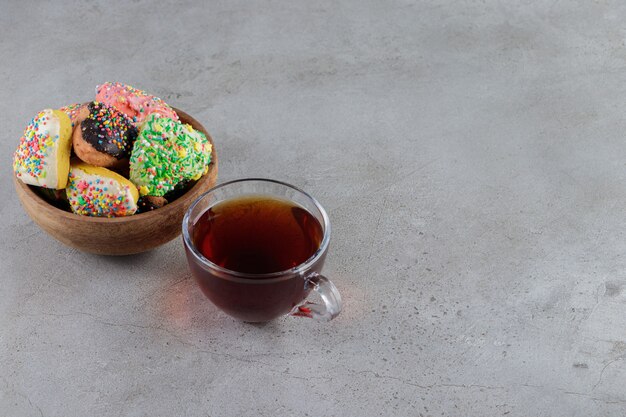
43 156
100 192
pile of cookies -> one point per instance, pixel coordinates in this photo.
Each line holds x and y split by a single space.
124 153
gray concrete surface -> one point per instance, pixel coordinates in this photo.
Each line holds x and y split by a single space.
471 157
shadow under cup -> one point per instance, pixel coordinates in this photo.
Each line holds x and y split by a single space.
261 297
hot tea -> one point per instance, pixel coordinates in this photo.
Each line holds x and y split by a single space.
257 234
257 247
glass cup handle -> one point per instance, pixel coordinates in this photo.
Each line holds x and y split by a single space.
331 299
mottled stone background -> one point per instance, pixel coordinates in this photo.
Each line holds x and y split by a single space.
470 155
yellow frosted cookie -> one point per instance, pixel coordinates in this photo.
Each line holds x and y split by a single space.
99 192
43 156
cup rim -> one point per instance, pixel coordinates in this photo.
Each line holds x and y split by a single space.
250 277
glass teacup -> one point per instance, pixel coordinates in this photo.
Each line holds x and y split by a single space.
250 295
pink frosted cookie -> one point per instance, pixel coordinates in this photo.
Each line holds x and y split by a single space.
134 103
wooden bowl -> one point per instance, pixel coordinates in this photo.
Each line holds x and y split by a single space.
118 235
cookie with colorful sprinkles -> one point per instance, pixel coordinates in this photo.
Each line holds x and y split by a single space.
166 153
103 136
73 111
124 153
99 192
43 156
133 102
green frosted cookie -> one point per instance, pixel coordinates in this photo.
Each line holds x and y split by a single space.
165 153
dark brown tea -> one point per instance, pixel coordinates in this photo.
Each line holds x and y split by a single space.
258 235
